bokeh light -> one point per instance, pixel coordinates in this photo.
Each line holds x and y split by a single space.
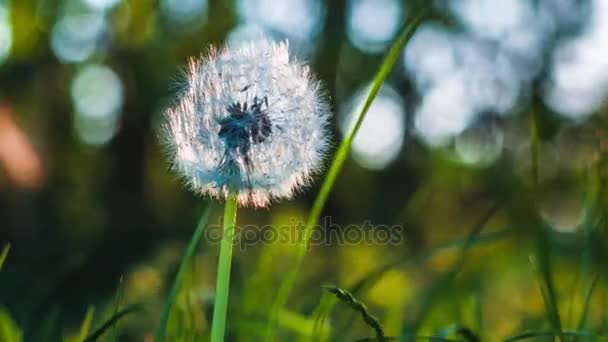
459 77
431 55
301 20
245 32
381 135
97 95
445 111
490 18
480 145
76 37
578 83
562 210
372 24
20 161
488 65
185 12
6 36
102 4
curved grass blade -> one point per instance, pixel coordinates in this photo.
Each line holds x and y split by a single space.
117 308
410 337
543 268
448 276
543 246
112 320
473 238
366 283
336 166
319 316
183 266
465 333
9 331
4 254
357 305
535 334
583 321
86 324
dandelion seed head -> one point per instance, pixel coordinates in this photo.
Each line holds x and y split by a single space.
250 119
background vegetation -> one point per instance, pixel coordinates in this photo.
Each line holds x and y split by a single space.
486 148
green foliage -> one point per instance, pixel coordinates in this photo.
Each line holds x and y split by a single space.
337 164
347 298
460 271
4 254
110 322
85 327
183 266
9 331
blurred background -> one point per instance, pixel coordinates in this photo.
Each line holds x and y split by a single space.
486 146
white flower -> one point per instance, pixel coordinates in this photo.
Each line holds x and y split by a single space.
250 119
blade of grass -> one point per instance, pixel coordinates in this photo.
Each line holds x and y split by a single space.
346 297
4 254
183 266
587 303
473 238
86 324
464 244
112 320
366 283
9 331
116 309
369 281
547 289
410 337
535 334
465 333
336 166
542 239
319 316
448 276
594 184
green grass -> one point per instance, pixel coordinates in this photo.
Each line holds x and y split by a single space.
342 153
4 254
183 266
434 310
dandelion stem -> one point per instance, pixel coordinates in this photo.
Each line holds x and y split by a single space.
220 307
336 167
183 266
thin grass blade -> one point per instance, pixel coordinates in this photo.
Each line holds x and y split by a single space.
116 309
86 324
4 254
582 324
112 320
183 266
536 334
336 166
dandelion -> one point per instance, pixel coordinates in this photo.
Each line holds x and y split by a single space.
250 120
250 126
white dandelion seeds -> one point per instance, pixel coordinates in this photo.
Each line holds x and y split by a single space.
250 120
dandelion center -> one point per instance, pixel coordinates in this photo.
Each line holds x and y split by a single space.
245 125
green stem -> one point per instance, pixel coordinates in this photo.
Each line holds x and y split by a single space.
177 282
543 244
220 307
336 167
